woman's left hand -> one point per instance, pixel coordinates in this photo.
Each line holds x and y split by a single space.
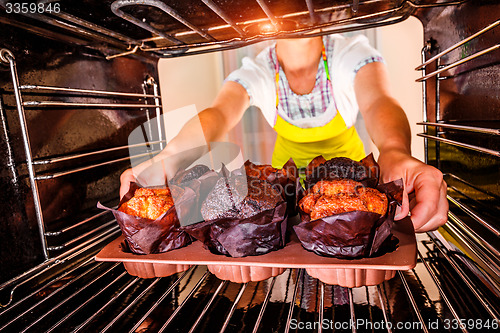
423 183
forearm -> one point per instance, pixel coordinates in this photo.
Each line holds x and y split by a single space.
388 126
385 120
210 125
180 152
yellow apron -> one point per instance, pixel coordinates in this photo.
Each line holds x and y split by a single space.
303 144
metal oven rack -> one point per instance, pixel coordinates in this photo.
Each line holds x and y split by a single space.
470 221
437 73
102 297
70 292
97 228
483 249
225 32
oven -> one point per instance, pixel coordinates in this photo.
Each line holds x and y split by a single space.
77 78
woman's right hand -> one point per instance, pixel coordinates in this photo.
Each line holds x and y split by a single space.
153 172
126 178
210 125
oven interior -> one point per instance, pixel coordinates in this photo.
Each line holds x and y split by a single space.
75 81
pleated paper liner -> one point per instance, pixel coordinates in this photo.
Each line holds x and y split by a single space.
253 235
352 234
147 236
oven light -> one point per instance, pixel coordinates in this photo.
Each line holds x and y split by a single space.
268 28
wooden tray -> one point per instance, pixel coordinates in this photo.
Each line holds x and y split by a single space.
344 272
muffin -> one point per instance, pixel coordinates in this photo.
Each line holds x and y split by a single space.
149 219
344 212
330 197
148 203
244 214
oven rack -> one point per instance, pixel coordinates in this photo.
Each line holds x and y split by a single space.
455 46
439 124
209 43
240 38
466 219
482 237
484 254
470 211
493 152
102 297
90 225
224 32
483 130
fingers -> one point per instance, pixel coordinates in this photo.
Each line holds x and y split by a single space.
148 173
441 215
431 207
125 178
403 210
154 174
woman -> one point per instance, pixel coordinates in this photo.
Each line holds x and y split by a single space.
310 91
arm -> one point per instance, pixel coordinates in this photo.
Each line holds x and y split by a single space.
388 127
225 112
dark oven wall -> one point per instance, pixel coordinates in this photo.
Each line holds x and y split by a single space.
466 95
67 196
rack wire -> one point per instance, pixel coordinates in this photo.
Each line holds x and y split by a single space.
443 68
384 17
476 129
477 260
108 299
98 223
190 38
441 126
469 211
484 253
461 144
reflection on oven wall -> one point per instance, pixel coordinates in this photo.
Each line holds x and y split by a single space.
400 45
190 84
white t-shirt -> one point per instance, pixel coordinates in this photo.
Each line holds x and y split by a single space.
345 56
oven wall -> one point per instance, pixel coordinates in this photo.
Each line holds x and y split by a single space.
468 94
59 131
400 45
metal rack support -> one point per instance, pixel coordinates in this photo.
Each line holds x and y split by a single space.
7 57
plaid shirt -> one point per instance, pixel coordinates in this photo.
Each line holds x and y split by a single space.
303 106
314 105
316 102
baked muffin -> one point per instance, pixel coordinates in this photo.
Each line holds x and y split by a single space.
148 203
331 197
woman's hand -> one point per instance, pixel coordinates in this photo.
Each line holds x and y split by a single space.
423 184
388 127
210 125
126 178
153 172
